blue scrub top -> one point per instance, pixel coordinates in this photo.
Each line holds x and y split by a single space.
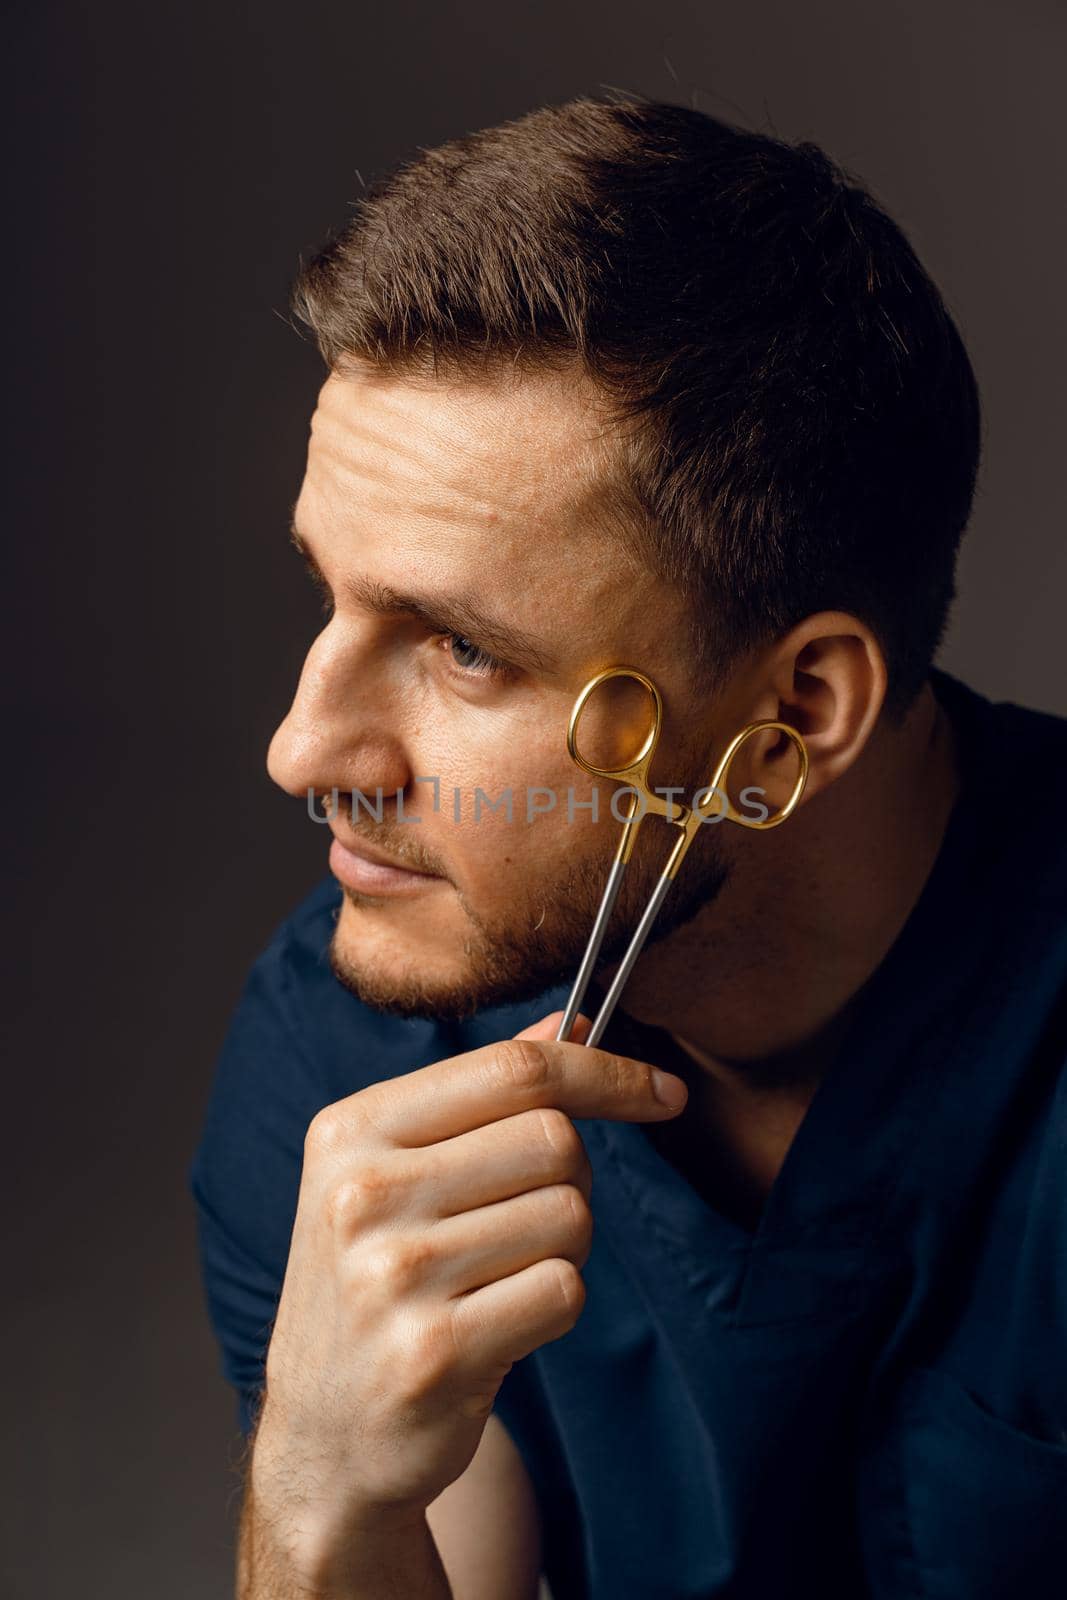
867 1396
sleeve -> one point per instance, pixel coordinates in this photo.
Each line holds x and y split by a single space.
245 1174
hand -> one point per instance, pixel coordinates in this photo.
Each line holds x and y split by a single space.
441 1225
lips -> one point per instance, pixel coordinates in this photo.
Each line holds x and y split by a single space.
370 872
377 858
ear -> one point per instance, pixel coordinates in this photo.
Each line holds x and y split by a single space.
827 678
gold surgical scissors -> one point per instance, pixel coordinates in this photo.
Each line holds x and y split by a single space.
643 801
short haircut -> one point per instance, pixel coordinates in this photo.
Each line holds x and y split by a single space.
799 420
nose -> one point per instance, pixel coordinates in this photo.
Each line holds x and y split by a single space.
336 732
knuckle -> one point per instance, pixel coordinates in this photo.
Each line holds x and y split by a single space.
360 1198
519 1064
426 1356
576 1224
397 1266
339 1128
325 1135
570 1287
561 1136
577 1216
617 1073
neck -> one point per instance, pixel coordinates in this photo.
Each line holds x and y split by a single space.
758 987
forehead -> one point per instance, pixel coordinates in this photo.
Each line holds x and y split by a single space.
498 483
528 450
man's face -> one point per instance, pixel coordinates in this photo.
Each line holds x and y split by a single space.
475 586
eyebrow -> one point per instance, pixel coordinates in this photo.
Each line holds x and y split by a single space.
439 613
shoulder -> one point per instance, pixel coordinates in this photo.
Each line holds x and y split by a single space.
1013 765
1011 751
991 730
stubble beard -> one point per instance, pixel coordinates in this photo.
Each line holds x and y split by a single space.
540 945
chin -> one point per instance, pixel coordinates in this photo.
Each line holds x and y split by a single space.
408 979
399 996
422 977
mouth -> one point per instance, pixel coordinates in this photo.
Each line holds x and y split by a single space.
371 872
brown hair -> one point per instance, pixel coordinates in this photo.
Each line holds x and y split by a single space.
802 424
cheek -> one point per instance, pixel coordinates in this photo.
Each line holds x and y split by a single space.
529 827
520 814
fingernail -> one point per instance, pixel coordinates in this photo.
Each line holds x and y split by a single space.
669 1089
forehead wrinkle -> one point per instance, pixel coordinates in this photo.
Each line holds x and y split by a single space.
401 481
500 458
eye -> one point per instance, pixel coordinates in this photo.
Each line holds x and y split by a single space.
471 658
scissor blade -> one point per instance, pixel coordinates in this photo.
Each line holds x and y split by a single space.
592 949
618 983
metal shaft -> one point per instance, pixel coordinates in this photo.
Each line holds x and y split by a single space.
592 949
636 944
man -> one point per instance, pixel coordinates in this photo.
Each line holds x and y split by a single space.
766 1296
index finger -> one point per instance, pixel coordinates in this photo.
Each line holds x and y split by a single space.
501 1080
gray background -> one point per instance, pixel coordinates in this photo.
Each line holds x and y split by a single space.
170 162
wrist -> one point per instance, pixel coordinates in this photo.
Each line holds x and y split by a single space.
327 1549
364 1556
